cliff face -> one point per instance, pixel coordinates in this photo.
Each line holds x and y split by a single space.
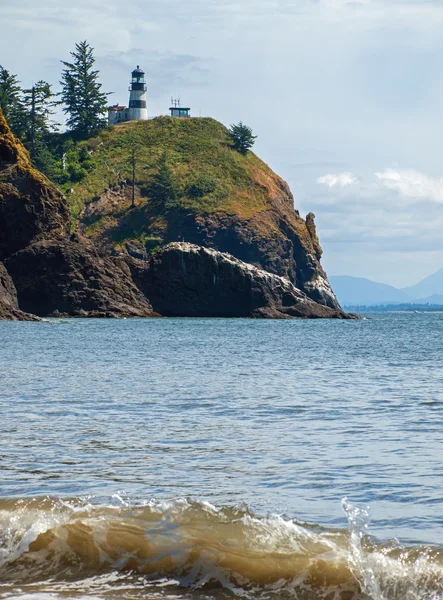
185 280
52 273
68 277
229 202
269 266
31 207
276 240
9 310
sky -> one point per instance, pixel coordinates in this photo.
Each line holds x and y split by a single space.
346 98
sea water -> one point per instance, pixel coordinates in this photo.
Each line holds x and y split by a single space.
176 458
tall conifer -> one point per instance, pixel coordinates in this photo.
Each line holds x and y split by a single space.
39 102
9 91
85 103
11 102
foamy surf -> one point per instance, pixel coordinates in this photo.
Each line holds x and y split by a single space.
53 548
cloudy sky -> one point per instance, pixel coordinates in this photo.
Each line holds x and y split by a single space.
346 98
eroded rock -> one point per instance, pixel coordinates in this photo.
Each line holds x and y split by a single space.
277 240
186 280
69 277
9 309
31 207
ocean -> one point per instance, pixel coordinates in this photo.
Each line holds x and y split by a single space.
222 459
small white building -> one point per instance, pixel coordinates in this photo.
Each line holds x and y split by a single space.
137 110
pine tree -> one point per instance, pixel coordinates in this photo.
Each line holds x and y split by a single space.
163 187
10 91
242 137
39 102
85 103
11 102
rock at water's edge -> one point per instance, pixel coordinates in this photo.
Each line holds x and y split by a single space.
69 277
277 240
185 280
9 310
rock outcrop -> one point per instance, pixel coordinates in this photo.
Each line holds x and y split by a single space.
277 240
185 280
229 202
69 277
9 310
53 273
275 272
31 207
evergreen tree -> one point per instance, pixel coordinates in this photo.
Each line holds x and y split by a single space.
47 160
242 137
39 102
163 187
11 102
10 91
85 103
29 114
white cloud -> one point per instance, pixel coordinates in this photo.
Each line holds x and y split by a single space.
342 180
386 226
412 184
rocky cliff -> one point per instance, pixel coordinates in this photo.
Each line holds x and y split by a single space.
68 277
227 201
246 252
9 310
31 208
53 272
185 280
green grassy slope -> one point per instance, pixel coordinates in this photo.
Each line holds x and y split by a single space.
199 151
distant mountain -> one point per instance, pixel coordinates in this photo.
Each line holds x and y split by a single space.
430 286
355 291
434 299
359 291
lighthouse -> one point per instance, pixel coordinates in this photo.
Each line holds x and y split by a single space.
137 110
137 96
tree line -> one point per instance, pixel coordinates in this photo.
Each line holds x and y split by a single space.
30 112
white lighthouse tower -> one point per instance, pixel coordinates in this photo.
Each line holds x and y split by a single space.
137 110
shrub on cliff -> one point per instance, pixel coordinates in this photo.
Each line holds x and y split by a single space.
163 188
202 186
76 172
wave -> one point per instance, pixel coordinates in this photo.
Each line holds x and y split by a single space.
194 547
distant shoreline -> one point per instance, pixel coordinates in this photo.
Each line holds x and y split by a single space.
394 308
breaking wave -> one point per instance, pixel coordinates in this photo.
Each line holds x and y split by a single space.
78 548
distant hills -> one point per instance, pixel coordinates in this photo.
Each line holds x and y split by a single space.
355 291
427 287
359 291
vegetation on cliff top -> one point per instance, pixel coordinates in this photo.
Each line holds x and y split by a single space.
208 175
29 112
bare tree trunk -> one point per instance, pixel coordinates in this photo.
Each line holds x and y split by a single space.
33 122
133 177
